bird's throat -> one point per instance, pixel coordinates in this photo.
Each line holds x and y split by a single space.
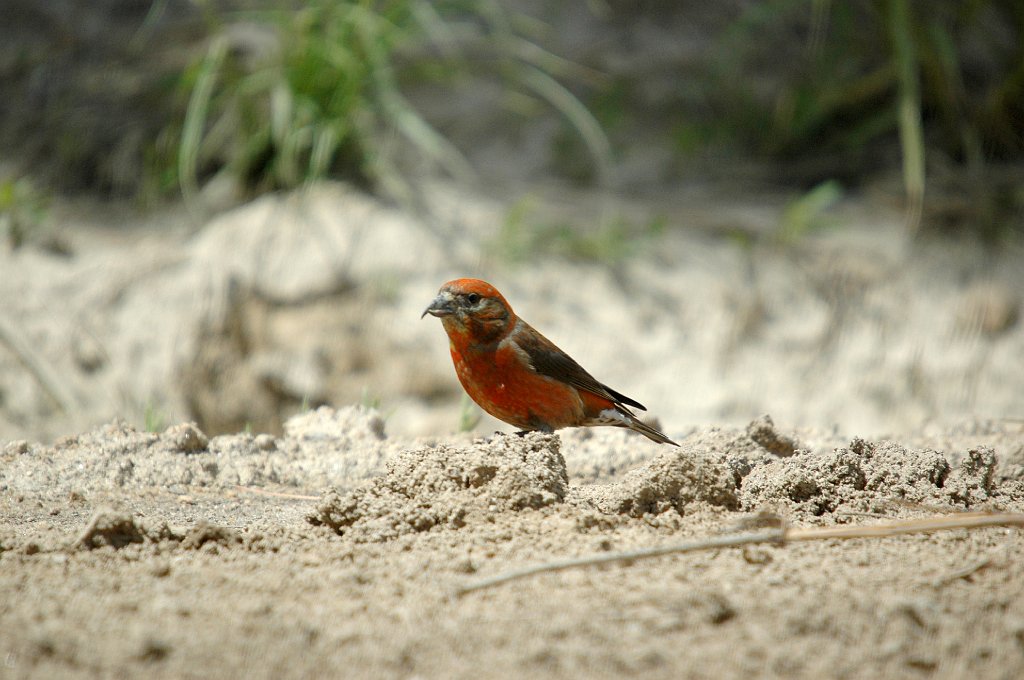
475 334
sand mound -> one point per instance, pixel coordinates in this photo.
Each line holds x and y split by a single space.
674 480
441 486
708 467
868 472
206 532
446 485
320 448
728 469
450 485
118 529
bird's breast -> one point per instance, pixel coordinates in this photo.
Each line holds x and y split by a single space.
508 388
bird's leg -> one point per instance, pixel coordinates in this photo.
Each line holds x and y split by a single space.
497 433
541 428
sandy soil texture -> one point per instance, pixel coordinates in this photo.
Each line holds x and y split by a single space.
331 543
336 550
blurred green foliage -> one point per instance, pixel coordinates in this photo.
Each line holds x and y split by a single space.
469 414
310 93
834 84
22 210
369 399
808 213
857 71
322 96
526 234
154 418
849 62
275 94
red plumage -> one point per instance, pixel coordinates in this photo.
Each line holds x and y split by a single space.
519 376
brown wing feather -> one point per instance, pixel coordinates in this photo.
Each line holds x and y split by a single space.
547 359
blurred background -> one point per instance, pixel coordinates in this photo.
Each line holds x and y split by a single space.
233 211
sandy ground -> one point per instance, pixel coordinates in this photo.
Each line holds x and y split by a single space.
336 550
331 543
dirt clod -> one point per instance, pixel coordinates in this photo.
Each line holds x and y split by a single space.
762 430
673 480
973 480
16 448
110 528
186 438
206 532
819 482
426 487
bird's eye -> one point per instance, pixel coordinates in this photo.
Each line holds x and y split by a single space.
473 298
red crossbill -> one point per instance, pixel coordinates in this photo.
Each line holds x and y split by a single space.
519 376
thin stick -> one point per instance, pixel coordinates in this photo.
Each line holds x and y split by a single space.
44 374
964 572
772 536
966 520
972 520
275 494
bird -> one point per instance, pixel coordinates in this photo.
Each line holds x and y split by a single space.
518 375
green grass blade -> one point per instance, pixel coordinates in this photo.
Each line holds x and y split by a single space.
195 118
578 115
909 108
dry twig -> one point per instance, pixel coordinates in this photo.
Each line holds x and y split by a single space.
44 374
967 520
275 494
964 572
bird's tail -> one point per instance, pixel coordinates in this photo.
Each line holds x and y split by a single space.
646 430
620 416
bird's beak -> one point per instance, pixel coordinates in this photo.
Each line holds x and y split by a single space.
441 306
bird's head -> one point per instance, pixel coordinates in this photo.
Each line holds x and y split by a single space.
472 310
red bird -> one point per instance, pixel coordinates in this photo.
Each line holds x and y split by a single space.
519 376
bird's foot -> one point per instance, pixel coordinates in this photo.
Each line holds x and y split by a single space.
498 434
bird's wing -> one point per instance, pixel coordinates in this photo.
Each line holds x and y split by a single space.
547 359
